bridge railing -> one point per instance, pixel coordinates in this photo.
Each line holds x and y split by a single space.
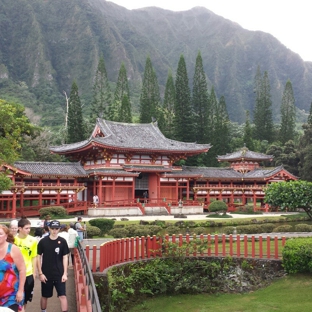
139 248
86 294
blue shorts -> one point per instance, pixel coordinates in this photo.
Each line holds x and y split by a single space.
47 288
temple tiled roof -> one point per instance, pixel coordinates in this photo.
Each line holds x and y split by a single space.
245 154
227 173
147 168
108 171
120 135
51 168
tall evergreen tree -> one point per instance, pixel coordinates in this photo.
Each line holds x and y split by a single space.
168 107
150 97
263 119
101 92
305 150
247 138
76 129
125 110
288 114
200 101
120 109
183 122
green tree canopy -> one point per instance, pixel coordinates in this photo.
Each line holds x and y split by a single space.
14 126
291 195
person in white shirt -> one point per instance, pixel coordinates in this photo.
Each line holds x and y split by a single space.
73 234
95 200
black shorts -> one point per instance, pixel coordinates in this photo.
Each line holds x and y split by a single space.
47 288
29 288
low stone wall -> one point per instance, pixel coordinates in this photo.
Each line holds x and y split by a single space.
114 212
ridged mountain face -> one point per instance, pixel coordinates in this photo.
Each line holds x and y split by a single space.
49 43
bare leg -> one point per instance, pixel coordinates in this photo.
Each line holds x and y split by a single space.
64 305
43 303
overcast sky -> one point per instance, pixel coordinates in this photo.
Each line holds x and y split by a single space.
290 21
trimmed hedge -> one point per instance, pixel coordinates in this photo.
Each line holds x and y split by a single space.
105 225
54 212
297 255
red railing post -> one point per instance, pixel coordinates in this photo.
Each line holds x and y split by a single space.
88 252
187 239
127 255
260 247
143 242
148 246
132 248
268 247
94 259
238 245
209 244
276 247
231 245
122 250
245 246
137 248
253 246
216 241
201 240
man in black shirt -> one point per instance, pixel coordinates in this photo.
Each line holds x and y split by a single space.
52 266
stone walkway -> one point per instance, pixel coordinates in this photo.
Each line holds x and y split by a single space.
54 303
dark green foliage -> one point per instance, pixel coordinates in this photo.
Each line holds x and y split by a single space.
105 225
201 103
150 97
283 228
183 120
297 255
76 130
101 92
120 109
247 138
54 212
290 196
288 114
263 119
218 206
169 108
93 231
303 228
131 283
135 230
249 229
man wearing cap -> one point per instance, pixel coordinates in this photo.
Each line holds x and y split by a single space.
52 266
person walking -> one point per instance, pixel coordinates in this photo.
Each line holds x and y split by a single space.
28 247
79 228
52 265
95 200
12 271
72 239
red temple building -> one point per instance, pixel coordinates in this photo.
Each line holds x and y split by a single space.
121 163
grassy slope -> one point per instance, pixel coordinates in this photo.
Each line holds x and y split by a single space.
289 294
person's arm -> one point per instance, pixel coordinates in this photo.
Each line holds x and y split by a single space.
65 265
21 267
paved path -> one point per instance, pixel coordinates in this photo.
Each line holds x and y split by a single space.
54 303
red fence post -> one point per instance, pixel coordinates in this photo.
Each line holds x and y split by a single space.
216 241
143 242
148 247
238 245
260 247
231 245
94 258
122 250
132 248
276 247
127 250
268 247
88 252
246 246
209 244
137 248
202 240
253 246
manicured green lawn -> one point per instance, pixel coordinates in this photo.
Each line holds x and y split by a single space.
292 293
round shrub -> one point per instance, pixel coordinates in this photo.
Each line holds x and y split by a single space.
93 231
199 230
249 229
229 230
170 230
303 228
218 206
119 233
105 225
55 212
283 228
267 227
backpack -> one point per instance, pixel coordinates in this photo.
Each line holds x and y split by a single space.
75 226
